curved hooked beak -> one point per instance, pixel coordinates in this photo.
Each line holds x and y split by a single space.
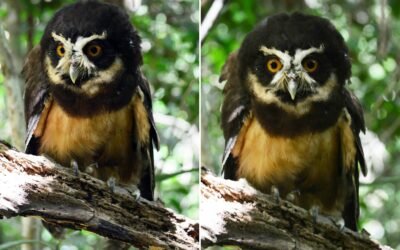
74 72
292 88
292 84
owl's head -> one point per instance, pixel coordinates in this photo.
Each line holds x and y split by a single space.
87 46
293 59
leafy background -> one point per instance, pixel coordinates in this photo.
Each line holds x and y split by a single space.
169 31
371 30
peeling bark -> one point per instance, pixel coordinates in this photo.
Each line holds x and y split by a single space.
233 213
35 186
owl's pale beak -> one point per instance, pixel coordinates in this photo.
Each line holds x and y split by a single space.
73 73
292 88
293 84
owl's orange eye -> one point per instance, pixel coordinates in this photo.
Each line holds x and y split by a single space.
310 65
60 50
274 65
94 50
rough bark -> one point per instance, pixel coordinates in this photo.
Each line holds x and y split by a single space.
233 213
35 186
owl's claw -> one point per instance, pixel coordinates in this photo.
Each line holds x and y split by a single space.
111 184
75 167
92 168
314 212
133 191
339 222
275 194
293 196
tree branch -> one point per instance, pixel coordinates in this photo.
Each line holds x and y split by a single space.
210 18
35 186
233 213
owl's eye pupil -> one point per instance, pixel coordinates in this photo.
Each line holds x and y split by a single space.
60 50
94 50
274 65
310 65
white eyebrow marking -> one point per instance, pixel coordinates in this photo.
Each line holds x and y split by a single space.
74 51
302 53
283 56
68 47
82 41
285 59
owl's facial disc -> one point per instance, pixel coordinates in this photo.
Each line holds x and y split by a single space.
293 73
83 63
291 78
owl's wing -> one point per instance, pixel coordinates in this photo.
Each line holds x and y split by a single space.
352 209
235 111
36 97
147 181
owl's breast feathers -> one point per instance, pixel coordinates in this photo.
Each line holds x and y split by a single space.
112 140
314 163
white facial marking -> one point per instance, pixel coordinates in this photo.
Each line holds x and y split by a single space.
303 53
74 53
285 59
292 68
105 76
266 95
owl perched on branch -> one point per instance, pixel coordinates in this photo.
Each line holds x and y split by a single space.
288 120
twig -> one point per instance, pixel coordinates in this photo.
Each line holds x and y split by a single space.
163 177
210 18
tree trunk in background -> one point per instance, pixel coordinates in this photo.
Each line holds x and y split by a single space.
11 58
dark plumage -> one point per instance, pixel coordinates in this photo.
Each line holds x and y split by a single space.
288 119
86 99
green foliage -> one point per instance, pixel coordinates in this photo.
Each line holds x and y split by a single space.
375 55
169 32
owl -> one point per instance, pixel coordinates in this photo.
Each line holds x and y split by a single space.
288 120
87 103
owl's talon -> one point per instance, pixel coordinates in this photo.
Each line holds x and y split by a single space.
339 222
314 212
75 167
275 194
293 196
133 190
91 168
111 184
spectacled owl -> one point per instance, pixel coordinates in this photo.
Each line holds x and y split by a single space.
288 120
86 99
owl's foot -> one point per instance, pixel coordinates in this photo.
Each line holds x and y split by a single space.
133 190
111 184
314 212
123 189
293 196
338 221
275 193
75 167
92 169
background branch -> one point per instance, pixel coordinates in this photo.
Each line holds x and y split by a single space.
210 18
